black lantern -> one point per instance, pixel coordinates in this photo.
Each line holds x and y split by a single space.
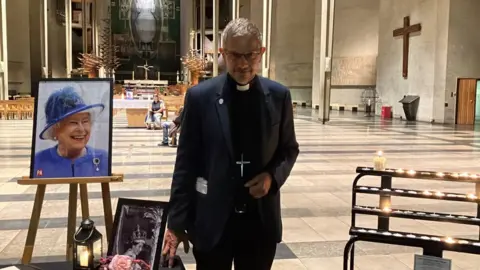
87 247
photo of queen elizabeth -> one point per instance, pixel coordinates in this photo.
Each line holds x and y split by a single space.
70 133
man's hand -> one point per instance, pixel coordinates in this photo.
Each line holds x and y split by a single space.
172 240
259 185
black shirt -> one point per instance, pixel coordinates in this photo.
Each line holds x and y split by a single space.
245 124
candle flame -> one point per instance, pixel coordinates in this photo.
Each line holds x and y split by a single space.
472 196
439 194
440 174
400 171
379 153
387 209
455 175
426 192
412 172
449 240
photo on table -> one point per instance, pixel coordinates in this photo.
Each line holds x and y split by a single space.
138 230
72 131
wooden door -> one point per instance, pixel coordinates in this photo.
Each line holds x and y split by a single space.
466 95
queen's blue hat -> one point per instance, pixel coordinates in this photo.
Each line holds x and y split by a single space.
62 104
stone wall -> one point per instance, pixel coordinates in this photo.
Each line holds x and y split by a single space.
355 49
422 58
18 44
463 51
292 46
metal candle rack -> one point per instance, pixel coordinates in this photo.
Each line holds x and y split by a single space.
432 245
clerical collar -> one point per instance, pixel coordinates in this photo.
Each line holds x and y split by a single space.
243 87
240 87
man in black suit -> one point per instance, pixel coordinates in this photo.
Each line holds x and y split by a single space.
237 148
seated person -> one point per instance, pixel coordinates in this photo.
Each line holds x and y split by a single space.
170 129
155 113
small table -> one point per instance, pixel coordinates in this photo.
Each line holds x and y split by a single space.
69 266
43 266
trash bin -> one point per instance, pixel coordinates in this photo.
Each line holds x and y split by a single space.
410 106
386 112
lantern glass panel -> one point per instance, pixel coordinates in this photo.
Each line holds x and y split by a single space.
97 251
83 255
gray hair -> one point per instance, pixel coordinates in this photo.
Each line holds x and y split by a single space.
240 27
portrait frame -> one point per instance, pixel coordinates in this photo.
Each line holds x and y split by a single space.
91 101
154 234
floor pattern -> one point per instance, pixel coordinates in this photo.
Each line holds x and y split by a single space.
315 200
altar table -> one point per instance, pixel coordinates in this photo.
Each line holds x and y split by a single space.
135 109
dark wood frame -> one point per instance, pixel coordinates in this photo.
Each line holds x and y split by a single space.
80 80
142 203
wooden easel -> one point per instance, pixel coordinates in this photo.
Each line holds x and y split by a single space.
72 207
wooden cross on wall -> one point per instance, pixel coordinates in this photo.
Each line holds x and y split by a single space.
405 34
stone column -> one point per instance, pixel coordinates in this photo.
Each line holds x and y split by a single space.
186 25
216 15
3 51
202 28
44 37
322 55
235 9
266 34
68 37
36 46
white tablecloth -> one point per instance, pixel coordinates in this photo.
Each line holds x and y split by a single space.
127 104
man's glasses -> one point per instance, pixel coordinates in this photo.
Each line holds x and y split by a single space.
252 56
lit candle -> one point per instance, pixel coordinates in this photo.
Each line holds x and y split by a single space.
400 171
440 174
439 194
387 209
471 196
411 172
455 175
379 161
449 240
84 258
426 192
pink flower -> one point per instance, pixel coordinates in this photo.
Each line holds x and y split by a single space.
120 262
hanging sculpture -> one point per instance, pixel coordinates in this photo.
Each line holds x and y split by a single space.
195 64
90 64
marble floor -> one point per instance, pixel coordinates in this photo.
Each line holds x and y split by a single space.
315 200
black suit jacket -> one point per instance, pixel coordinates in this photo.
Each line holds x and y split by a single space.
205 150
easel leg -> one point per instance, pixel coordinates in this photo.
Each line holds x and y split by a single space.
33 227
107 209
84 201
72 219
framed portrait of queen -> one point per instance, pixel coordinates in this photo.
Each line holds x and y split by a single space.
138 231
72 132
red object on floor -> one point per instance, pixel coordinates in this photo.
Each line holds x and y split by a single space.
386 112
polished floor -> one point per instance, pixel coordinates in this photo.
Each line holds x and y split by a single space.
315 200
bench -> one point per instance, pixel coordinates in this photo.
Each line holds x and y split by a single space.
21 108
172 104
432 245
